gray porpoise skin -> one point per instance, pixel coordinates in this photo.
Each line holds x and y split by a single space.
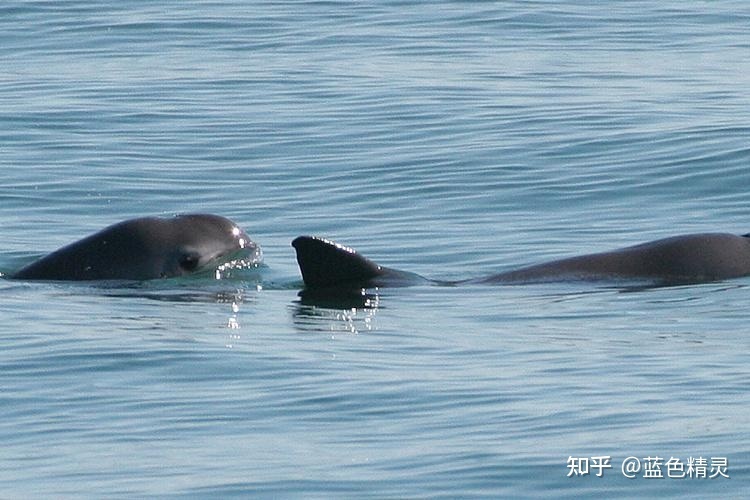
692 258
146 248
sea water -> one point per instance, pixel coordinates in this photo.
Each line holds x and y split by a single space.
451 139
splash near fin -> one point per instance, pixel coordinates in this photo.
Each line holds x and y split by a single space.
324 263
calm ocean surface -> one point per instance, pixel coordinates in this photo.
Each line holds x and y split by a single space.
453 139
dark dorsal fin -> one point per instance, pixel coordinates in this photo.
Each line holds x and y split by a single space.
324 263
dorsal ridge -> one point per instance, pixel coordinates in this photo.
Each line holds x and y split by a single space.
324 263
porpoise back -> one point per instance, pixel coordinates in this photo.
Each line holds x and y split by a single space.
326 264
689 258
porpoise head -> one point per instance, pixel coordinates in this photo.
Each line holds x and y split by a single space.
197 242
149 248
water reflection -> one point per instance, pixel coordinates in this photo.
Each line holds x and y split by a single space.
213 294
340 298
350 311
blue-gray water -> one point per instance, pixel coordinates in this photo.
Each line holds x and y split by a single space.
454 139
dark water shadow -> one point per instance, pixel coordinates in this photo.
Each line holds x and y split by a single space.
335 310
339 298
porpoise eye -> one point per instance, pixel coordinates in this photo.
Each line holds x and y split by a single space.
189 261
